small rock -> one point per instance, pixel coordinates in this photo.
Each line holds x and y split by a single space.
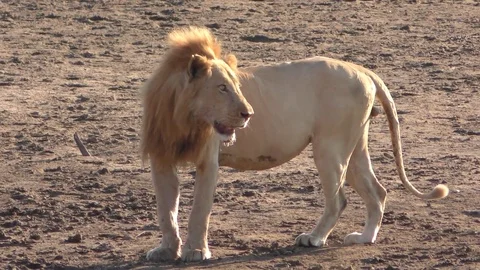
249 193
103 171
52 16
111 189
94 204
472 213
373 260
11 224
213 25
388 155
97 18
83 98
35 236
260 38
94 213
15 60
88 55
158 18
77 238
102 247
126 236
34 265
295 263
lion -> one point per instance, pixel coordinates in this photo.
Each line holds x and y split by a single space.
198 103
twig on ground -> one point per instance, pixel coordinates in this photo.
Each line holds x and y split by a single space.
80 145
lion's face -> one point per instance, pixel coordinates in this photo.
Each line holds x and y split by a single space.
219 101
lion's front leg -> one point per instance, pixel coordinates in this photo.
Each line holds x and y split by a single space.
196 246
166 184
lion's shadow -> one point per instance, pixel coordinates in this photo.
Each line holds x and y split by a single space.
262 254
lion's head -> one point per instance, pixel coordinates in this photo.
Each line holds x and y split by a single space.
192 95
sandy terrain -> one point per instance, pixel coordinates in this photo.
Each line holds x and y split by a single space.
76 66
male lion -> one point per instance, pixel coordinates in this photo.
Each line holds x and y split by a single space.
195 105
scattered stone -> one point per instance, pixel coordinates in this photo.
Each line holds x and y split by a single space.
75 85
249 193
102 247
260 38
472 213
103 171
54 169
94 204
158 18
82 98
35 265
94 213
77 238
213 25
373 260
35 236
11 224
111 189
97 18
88 55
52 16
462 131
16 60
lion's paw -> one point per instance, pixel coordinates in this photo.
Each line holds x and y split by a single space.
357 238
195 255
160 254
308 240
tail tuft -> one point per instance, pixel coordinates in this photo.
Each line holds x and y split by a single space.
440 191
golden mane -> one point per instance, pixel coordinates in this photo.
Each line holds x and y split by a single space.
170 135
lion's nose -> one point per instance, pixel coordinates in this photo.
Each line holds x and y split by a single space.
246 115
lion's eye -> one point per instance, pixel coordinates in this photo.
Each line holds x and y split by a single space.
223 88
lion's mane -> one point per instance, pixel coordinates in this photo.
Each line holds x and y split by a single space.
170 134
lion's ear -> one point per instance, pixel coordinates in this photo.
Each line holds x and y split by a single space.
231 60
196 65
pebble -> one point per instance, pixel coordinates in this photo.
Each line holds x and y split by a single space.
77 238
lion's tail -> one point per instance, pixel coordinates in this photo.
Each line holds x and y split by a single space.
383 94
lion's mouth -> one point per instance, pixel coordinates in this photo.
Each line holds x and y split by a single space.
223 129
227 133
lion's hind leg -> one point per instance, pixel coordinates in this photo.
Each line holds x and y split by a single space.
361 177
331 158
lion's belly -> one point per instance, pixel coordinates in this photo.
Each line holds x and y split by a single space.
255 162
260 162
256 152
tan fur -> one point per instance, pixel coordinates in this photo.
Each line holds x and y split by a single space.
322 101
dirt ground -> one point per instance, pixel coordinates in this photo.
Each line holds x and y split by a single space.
76 66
